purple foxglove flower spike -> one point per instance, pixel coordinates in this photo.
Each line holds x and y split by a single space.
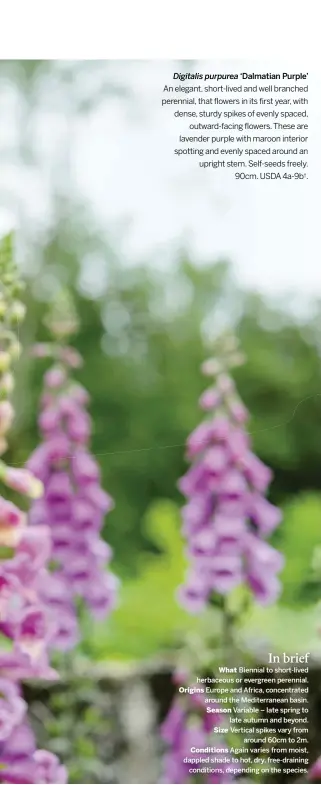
24 619
74 504
226 521
227 518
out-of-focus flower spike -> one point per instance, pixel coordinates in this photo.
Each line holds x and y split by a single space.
24 621
74 503
227 517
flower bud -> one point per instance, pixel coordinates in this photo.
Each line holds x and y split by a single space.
237 410
78 393
71 357
211 367
225 384
5 361
236 359
210 399
55 377
18 287
32 631
15 349
9 536
49 420
21 480
12 523
6 416
229 343
7 279
3 307
3 445
6 384
10 515
41 350
17 312
47 400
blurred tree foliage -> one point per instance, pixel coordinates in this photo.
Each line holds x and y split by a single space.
78 720
142 343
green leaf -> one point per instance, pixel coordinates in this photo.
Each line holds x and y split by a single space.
299 535
149 618
282 629
85 747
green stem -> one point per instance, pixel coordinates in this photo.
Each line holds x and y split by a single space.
227 634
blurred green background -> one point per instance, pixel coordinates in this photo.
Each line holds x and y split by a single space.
144 333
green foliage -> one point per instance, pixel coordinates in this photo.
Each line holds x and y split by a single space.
148 619
281 628
298 537
76 721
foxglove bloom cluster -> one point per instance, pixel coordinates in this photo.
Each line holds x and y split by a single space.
25 626
227 519
187 727
73 504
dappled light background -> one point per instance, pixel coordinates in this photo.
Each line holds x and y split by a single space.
159 258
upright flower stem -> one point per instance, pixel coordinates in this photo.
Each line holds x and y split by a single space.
227 635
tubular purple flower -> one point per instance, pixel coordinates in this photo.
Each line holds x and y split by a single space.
193 594
49 770
22 762
6 416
